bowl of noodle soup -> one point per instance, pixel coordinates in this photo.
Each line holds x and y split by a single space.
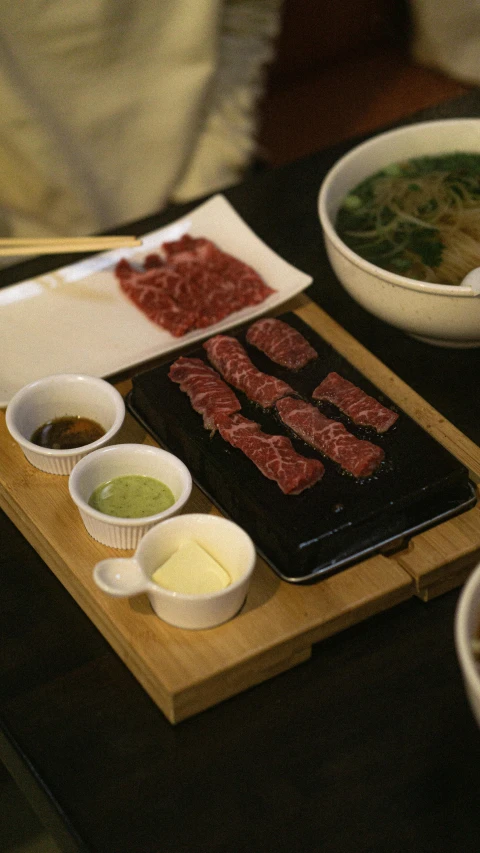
400 215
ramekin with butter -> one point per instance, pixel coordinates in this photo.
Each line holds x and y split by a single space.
195 569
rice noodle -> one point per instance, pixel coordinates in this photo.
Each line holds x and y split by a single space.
419 223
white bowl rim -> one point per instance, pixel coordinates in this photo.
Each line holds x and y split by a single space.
73 451
394 279
119 520
463 640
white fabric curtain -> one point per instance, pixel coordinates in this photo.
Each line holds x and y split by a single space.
112 108
446 37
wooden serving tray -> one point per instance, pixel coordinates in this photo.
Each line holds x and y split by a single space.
185 671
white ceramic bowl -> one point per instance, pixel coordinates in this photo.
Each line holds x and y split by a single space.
120 460
56 396
467 627
223 539
444 315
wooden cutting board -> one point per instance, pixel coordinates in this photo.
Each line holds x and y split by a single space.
187 671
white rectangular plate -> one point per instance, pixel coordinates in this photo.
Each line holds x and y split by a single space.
77 320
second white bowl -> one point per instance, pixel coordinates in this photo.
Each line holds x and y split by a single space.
467 632
121 460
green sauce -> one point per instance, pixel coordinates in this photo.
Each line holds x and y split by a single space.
132 496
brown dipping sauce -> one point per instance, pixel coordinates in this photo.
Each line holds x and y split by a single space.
67 432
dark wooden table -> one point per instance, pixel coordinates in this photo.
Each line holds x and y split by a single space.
370 747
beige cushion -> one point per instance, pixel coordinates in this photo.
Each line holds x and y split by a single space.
112 109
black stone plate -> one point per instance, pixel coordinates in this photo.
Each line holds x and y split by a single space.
340 520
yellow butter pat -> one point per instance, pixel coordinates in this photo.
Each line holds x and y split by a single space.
191 570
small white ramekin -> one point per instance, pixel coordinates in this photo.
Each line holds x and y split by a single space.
224 540
121 460
56 396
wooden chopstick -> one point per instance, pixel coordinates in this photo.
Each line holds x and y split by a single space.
57 245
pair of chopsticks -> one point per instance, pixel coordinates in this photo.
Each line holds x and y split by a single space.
58 245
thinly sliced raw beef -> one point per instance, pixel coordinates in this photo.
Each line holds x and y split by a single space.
196 286
281 342
209 395
230 358
360 407
150 290
249 285
188 248
360 458
207 292
274 455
